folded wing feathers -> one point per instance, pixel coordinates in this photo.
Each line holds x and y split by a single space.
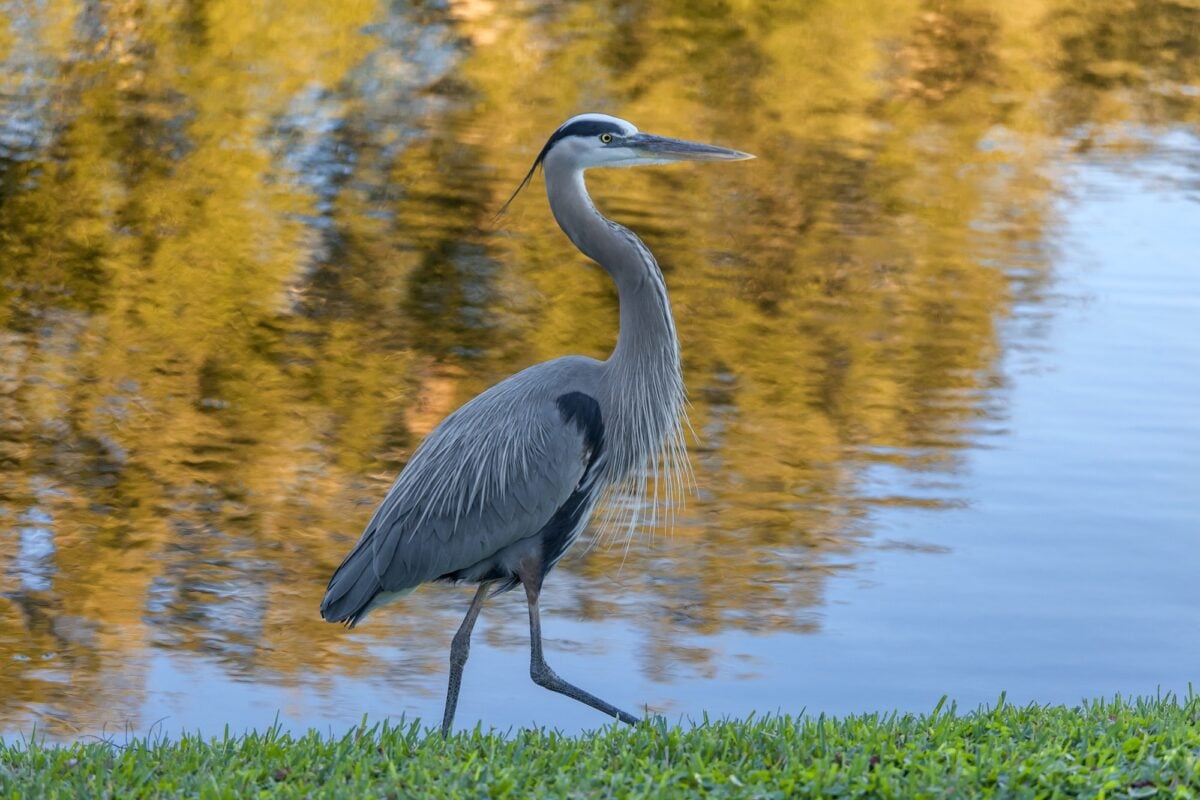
492 472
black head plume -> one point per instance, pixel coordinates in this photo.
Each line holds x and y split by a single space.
524 182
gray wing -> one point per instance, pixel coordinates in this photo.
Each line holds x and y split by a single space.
492 473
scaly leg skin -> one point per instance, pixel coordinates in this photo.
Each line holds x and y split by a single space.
460 648
543 676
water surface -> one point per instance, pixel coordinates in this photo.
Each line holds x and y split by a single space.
940 340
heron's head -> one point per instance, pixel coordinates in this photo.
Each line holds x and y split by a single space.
598 140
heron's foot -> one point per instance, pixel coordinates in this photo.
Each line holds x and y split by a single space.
546 678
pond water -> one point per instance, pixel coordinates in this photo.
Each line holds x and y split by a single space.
941 342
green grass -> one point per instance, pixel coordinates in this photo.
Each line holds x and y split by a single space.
1118 748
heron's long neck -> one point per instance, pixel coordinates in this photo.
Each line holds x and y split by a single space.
646 381
647 328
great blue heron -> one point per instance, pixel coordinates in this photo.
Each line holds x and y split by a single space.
503 486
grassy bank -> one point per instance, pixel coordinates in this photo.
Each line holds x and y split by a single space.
1143 748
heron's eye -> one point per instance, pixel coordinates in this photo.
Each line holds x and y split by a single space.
606 137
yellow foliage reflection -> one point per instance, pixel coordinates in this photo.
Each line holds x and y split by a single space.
247 260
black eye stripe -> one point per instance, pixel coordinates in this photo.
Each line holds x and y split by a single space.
584 127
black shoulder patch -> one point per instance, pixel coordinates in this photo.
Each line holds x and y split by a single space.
583 410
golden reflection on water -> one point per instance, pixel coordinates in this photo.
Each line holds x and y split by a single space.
247 259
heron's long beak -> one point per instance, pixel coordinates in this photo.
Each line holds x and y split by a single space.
662 148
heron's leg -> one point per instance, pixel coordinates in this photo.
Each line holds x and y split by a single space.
543 676
459 649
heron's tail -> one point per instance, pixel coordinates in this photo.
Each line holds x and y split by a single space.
352 590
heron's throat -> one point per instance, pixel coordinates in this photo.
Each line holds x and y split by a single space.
647 334
575 213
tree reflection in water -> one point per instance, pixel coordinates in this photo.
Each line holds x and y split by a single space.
247 260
